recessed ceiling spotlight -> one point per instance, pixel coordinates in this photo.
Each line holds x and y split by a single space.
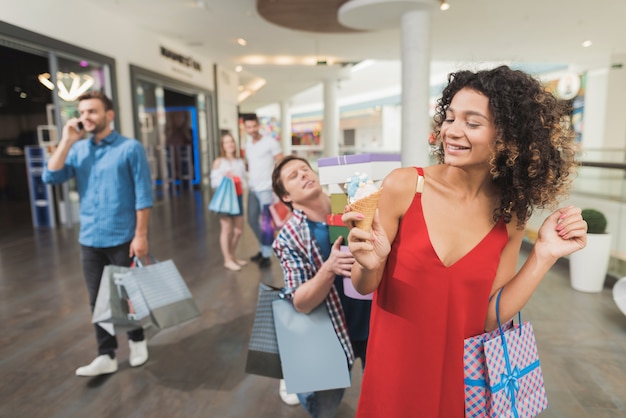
242 42
587 44
238 68
444 5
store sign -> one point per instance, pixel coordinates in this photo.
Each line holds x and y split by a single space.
187 61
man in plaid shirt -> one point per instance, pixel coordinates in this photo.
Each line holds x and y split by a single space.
315 268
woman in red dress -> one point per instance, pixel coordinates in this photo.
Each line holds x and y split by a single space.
447 237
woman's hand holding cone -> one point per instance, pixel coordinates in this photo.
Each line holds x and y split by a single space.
369 248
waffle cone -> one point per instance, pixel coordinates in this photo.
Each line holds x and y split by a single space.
367 206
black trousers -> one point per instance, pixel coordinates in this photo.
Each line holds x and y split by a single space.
93 261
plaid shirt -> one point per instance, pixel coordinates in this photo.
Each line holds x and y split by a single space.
301 257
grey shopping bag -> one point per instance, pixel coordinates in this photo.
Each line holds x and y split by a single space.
310 352
263 358
164 295
117 302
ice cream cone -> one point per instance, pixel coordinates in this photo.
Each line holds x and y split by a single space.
367 206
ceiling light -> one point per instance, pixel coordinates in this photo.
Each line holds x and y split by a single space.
242 42
361 65
284 60
79 84
587 44
257 84
243 95
444 5
238 68
255 60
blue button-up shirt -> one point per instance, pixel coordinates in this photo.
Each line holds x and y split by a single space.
113 181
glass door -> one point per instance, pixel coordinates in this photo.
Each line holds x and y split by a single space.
174 123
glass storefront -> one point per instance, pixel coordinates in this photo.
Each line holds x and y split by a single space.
174 122
40 81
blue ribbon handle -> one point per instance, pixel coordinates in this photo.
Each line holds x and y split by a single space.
510 380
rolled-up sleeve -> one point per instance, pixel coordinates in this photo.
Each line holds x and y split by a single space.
141 177
59 176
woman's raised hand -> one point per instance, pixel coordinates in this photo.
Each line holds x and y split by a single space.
562 233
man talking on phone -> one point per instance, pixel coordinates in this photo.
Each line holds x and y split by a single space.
115 188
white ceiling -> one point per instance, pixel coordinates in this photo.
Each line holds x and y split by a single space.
528 31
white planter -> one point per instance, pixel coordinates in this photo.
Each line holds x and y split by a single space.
588 266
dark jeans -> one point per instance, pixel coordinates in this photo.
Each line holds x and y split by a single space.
93 261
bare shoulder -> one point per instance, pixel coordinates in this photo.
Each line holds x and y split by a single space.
433 173
217 162
399 190
400 179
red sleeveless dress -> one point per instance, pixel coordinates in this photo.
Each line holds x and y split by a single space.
421 313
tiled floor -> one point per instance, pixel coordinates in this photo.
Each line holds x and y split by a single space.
197 369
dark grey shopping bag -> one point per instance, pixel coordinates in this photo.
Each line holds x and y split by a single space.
263 358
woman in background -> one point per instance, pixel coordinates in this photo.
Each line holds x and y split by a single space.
230 164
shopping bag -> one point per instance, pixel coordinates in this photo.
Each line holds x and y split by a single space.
280 213
117 302
238 185
311 355
267 227
166 297
224 200
263 357
477 391
511 379
515 377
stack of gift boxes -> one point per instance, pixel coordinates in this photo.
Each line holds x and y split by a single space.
333 173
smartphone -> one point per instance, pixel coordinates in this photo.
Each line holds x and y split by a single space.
80 126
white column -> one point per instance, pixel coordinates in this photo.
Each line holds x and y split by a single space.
614 125
285 127
415 87
330 128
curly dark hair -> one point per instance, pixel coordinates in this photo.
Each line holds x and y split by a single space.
533 163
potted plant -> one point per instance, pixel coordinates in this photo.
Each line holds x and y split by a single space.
588 267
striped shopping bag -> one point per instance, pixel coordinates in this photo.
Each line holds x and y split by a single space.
263 356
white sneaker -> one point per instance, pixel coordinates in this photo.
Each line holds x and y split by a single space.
103 364
138 352
288 398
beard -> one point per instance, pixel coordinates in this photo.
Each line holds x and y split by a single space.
99 126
